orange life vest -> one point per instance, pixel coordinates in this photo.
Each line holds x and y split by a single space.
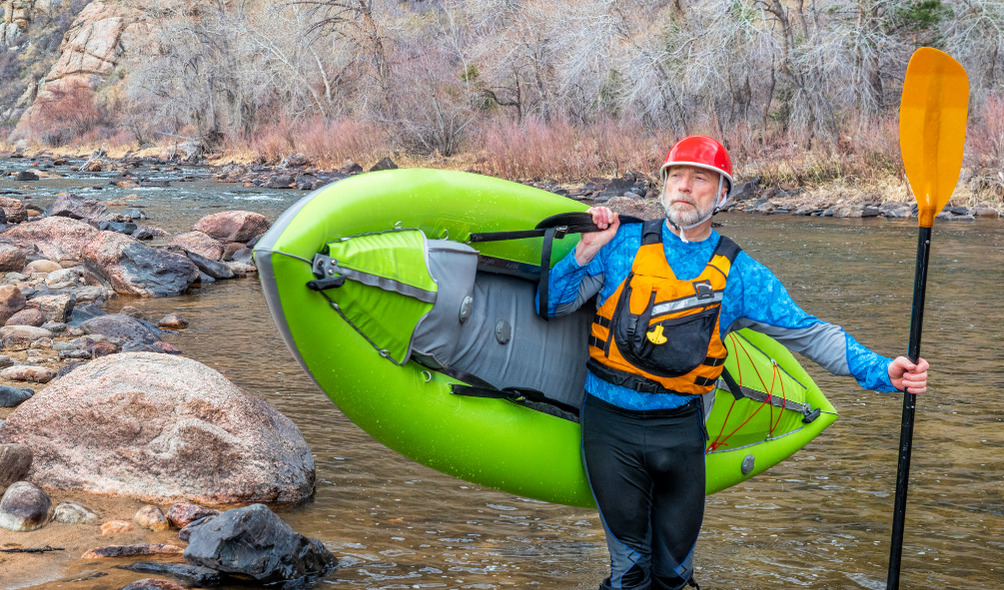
657 333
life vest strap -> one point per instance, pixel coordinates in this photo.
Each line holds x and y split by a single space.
625 379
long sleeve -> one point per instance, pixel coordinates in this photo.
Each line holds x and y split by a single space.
755 298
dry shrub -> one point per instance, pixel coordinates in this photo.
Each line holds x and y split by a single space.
985 143
65 115
563 152
867 149
323 142
340 140
271 143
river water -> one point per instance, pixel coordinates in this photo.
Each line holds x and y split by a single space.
821 519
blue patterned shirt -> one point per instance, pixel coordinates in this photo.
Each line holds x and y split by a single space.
754 298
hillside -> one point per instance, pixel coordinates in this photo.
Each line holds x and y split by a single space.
564 89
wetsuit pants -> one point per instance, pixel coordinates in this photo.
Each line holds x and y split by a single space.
646 471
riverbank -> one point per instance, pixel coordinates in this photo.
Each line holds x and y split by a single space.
634 193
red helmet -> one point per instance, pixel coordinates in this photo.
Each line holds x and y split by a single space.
702 152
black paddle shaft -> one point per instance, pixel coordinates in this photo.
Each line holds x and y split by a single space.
909 409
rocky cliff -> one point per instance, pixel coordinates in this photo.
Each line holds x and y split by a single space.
95 36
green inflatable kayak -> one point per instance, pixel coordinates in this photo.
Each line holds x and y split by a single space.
428 339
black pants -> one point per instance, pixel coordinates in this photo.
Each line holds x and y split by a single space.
646 471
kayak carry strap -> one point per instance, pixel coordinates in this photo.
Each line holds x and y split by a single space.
555 226
520 395
739 392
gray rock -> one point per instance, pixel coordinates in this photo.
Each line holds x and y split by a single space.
253 541
192 575
21 337
121 227
215 270
77 207
11 397
64 278
384 163
280 181
15 461
70 512
118 325
25 507
133 268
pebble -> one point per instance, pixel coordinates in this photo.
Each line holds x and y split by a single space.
192 575
114 527
152 584
182 514
152 517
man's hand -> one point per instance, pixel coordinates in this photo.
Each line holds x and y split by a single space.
591 242
907 376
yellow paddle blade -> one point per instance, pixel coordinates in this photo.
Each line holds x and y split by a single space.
932 128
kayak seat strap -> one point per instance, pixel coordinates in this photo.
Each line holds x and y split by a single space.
520 395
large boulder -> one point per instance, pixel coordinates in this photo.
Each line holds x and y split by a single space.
162 428
233 226
133 268
55 238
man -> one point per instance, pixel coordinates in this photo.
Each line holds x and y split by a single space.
667 294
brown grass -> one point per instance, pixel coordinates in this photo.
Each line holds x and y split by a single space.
864 164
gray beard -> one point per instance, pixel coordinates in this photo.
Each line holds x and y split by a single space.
687 218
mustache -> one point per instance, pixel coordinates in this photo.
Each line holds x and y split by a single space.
671 200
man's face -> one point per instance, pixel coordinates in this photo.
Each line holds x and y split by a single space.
690 194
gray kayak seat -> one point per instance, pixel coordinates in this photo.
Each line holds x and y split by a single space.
485 324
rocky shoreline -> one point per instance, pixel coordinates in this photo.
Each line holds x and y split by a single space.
634 193
122 414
